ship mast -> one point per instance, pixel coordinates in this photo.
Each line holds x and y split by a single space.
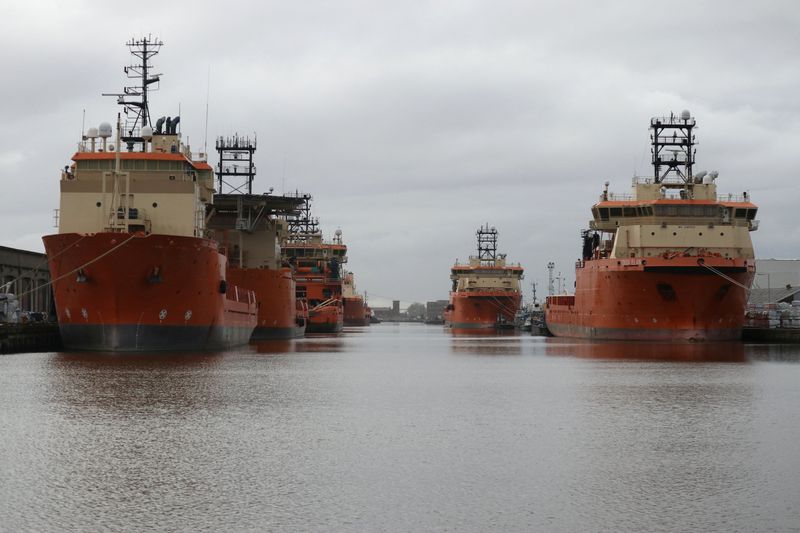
303 226
487 244
236 168
673 150
134 97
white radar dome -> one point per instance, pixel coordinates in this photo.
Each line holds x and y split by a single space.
147 132
104 130
338 233
91 133
685 115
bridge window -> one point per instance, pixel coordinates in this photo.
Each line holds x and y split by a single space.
616 211
603 213
740 213
751 214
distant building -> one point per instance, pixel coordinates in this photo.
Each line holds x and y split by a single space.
434 311
777 273
384 313
396 307
777 280
26 275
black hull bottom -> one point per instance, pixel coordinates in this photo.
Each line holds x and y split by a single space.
323 328
148 338
267 334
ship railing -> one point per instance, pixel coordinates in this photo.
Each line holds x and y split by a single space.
672 120
616 197
744 197
235 293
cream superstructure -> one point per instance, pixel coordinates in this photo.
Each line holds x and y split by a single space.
160 189
480 276
654 221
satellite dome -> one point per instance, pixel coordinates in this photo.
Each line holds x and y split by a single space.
147 133
104 130
91 133
338 233
685 115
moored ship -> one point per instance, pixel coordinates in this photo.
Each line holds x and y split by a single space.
672 261
317 270
131 265
356 310
486 292
249 228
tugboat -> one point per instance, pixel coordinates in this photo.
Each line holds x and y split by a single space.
486 292
132 266
248 227
672 261
318 270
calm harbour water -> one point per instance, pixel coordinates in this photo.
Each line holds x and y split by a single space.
404 427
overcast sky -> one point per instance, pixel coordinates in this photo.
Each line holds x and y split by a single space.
412 123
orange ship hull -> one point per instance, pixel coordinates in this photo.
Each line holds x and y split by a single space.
136 292
481 309
324 299
328 319
356 313
654 299
277 301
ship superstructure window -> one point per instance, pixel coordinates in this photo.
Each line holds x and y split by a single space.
686 210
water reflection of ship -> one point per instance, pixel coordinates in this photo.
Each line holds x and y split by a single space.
133 381
476 342
721 352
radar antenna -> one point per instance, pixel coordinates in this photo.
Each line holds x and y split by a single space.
133 97
673 150
487 244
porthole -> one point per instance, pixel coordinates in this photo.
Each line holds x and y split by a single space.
98 204
155 204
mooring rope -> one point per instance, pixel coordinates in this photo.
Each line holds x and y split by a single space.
724 276
99 257
40 265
